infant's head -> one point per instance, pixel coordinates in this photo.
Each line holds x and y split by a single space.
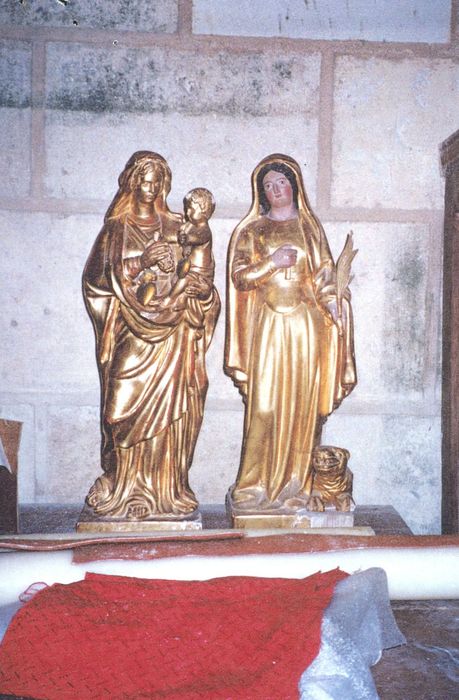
199 205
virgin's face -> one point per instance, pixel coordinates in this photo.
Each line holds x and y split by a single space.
149 185
278 189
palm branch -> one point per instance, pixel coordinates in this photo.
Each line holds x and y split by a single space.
343 269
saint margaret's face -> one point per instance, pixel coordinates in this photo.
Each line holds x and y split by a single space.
149 185
278 189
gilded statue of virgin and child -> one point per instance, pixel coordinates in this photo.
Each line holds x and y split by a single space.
148 287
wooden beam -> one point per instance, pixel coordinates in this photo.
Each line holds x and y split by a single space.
450 372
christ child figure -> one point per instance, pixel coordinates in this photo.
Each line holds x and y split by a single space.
195 270
195 235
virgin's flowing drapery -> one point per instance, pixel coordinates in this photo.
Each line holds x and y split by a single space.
153 379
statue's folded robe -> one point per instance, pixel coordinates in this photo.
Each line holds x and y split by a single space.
119 637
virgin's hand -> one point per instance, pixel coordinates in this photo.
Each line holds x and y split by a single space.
158 253
285 256
197 286
167 264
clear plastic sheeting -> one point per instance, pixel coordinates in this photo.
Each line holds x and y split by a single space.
356 627
6 615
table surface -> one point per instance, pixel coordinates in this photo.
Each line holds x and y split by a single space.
62 518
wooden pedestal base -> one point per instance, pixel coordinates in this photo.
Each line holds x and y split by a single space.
300 519
90 522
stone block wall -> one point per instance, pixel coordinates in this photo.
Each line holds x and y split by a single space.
360 96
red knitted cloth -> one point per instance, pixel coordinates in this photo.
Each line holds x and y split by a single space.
234 638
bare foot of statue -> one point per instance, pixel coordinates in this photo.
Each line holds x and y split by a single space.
100 490
315 504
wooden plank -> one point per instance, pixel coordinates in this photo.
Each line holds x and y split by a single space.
450 372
